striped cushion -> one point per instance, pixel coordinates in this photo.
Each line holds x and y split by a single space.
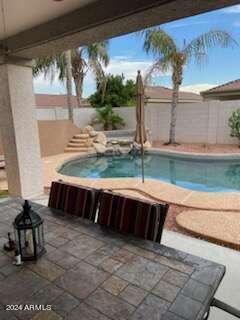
74 199
132 216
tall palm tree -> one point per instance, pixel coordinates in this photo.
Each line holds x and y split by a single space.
93 57
169 57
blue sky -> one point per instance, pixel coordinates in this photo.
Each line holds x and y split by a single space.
127 56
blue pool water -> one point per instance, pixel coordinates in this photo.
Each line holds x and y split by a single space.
195 174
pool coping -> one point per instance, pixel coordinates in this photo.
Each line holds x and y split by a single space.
196 155
153 189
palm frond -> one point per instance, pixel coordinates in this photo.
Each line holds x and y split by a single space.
41 64
159 43
160 66
49 66
197 49
98 51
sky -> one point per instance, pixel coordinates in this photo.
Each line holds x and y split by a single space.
127 55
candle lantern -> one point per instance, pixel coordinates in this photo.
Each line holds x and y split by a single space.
28 227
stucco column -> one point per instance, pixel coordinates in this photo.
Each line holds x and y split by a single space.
19 128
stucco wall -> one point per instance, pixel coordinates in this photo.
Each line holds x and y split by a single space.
54 136
205 122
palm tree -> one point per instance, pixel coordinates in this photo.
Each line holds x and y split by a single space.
93 57
168 56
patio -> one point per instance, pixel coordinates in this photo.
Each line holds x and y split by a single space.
96 273
99 275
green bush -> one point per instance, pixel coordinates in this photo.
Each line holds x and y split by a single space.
234 124
108 118
118 93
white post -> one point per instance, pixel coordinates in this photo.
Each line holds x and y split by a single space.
19 128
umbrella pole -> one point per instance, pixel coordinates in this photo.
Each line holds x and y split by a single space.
140 119
142 148
142 156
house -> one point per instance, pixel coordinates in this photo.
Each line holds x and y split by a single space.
160 94
226 91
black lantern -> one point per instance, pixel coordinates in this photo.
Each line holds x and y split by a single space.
28 227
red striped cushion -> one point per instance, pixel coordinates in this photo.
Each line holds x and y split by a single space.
74 199
131 216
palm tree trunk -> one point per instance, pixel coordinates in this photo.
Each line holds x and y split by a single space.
78 81
172 132
69 83
177 81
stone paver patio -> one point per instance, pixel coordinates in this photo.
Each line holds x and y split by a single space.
99 274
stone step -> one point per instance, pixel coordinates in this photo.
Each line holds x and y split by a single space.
78 144
81 136
79 149
74 140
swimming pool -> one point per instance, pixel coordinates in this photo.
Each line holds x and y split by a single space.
209 175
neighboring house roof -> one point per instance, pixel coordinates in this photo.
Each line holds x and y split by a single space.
163 94
226 91
155 94
56 100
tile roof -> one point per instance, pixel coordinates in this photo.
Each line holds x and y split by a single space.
160 92
56 100
226 87
152 92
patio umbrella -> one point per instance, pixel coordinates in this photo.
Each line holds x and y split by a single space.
140 136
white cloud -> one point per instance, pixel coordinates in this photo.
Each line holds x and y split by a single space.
197 88
43 85
127 66
118 65
233 9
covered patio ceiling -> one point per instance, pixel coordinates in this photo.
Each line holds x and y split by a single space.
48 26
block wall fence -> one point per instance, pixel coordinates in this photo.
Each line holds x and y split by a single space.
205 122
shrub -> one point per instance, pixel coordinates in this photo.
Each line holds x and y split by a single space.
234 124
118 93
108 118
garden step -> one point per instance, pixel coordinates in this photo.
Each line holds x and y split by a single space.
74 140
78 144
79 149
82 136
